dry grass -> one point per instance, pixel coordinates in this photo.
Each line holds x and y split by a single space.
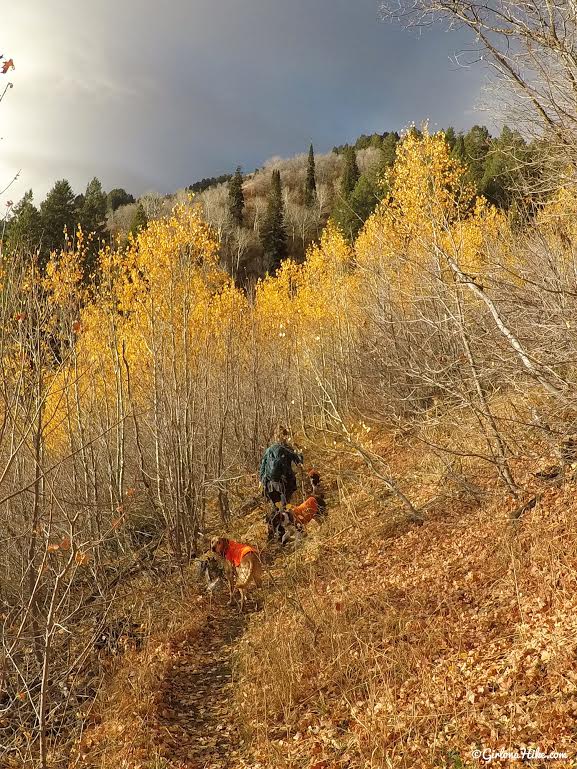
382 643
122 728
388 645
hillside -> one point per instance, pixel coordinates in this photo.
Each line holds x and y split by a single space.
347 185
378 643
288 453
425 367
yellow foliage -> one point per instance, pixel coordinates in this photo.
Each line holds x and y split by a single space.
164 301
305 306
63 279
162 298
557 226
431 216
428 186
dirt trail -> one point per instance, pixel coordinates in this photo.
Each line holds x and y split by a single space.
194 712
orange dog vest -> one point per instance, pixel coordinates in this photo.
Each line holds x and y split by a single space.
236 551
305 512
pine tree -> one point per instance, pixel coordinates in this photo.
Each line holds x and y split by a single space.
344 213
389 147
25 227
236 197
58 213
350 172
505 167
273 234
311 182
92 219
92 216
118 197
459 150
477 144
451 137
139 221
350 214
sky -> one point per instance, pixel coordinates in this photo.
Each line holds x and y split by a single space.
156 95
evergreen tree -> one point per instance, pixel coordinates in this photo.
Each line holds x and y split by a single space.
139 221
367 194
92 219
459 150
506 164
236 197
25 227
389 148
477 143
350 214
92 215
209 181
58 213
273 234
350 172
344 213
450 137
118 197
311 181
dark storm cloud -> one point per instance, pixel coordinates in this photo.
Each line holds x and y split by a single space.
156 95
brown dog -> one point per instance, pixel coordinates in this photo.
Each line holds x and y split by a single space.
315 479
244 561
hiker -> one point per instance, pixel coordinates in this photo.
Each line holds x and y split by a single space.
278 481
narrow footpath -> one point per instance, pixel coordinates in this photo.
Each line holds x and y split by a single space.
195 720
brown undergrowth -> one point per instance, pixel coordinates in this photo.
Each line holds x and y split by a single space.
380 643
121 729
413 646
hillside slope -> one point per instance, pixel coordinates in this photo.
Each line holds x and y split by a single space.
380 643
427 370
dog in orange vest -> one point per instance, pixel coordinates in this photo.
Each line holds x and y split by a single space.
244 569
309 509
313 507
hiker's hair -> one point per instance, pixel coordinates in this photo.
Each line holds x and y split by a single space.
282 435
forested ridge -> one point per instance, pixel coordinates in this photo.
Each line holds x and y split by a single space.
346 185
